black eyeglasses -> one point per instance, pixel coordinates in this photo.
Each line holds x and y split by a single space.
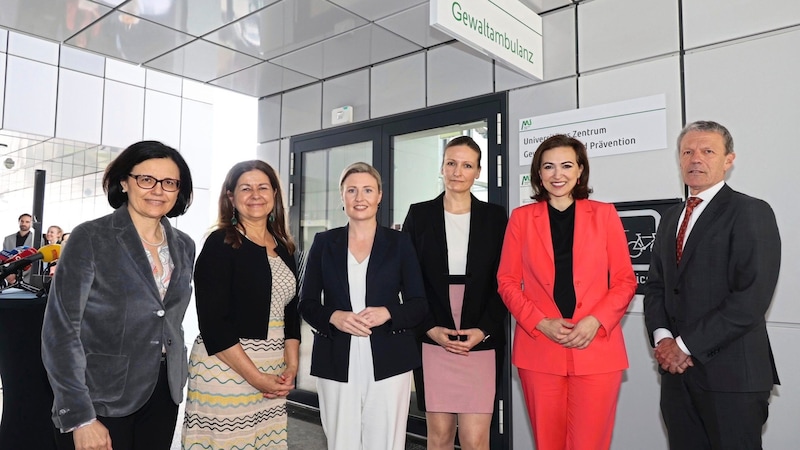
149 182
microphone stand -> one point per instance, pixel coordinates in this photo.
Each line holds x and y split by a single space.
22 284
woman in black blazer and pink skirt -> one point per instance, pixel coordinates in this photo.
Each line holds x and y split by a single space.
458 241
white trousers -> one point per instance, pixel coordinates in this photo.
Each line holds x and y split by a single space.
364 414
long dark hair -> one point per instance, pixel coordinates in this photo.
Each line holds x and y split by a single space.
277 227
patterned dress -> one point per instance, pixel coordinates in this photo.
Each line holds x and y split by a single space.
223 411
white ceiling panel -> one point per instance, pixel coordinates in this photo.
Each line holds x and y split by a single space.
285 27
193 61
347 52
129 38
263 79
377 9
56 20
413 24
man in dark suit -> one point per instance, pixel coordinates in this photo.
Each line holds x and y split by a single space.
711 281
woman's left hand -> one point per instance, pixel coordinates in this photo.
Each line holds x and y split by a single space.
375 316
582 334
474 337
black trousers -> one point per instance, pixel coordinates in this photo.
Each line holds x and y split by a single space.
698 419
149 428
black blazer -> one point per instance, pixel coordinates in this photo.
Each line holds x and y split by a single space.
483 308
233 293
716 298
392 270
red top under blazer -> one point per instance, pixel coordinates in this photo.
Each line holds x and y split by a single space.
602 275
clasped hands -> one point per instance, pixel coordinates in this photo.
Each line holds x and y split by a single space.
570 335
359 324
442 336
670 356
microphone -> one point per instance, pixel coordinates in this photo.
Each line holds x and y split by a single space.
15 254
48 253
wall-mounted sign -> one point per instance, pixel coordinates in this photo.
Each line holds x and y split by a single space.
505 29
624 127
640 220
525 190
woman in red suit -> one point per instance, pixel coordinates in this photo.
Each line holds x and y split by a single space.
565 275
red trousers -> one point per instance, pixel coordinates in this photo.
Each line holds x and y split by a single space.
572 412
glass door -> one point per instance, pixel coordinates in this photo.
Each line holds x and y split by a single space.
407 150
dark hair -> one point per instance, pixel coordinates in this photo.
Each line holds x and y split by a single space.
581 190
23 215
121 167
464 140
708 126
277 227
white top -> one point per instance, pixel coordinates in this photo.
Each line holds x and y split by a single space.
456 231
357 281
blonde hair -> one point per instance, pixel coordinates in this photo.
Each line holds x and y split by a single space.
360 167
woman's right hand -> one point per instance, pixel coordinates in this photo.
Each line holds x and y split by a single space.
273 386
441 336
350 322
555 329
92 437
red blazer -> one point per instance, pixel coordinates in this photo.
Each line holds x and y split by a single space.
603 278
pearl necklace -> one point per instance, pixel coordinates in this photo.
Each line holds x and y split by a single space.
163 238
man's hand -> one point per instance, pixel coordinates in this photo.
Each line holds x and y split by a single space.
671 358
92 437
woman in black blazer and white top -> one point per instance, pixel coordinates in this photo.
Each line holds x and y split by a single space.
364 343
458 241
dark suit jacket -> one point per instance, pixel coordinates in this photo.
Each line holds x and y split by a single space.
234 290
716 298
483 308
105 323
392 270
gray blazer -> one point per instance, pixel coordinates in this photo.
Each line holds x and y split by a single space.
105 323
10 242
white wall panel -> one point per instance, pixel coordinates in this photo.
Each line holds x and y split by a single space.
162 82
757 102
351 90
197 120
3 40
645 175
81 61
32 48
558 29
398 86
301 110
162 118
612 32
79 113
708 22
2 86
456 72
123 114
781 430
30 103
125 72
270 153
269 118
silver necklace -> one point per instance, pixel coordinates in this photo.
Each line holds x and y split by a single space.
163 238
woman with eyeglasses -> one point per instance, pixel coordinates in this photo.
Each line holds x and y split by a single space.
112 343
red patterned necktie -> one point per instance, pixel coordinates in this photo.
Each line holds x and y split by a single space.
691 203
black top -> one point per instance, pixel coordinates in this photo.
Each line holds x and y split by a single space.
562 230
21 239
233 293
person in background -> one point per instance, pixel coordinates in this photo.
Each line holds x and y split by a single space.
364 342
23 237
54 233
112 341
566 276
713 272
64 238
244 362
458 240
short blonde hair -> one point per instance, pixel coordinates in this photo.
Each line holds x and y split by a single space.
360 167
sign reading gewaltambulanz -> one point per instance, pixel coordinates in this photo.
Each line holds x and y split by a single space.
505 29
624 127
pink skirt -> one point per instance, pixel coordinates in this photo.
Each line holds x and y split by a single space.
456 383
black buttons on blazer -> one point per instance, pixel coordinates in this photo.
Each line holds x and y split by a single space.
676 291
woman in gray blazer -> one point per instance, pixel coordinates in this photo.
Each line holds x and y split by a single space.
112 342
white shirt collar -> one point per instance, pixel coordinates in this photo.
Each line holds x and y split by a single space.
709 193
